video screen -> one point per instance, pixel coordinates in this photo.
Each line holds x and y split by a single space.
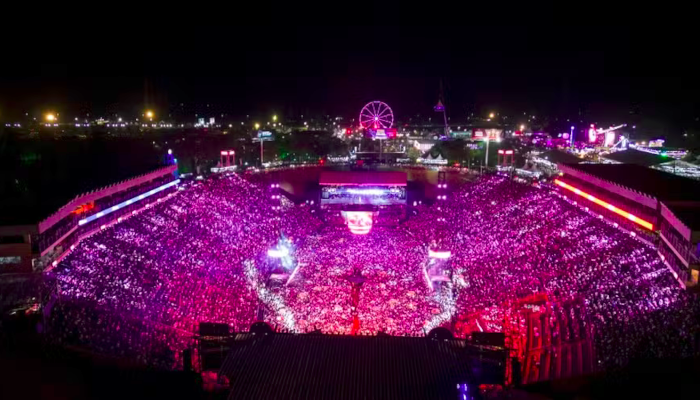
359 222
379 195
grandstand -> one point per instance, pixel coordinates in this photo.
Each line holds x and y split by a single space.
35 246
659 206
28 250
568 292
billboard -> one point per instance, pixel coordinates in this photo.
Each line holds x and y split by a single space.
592 134
492 134
264 136
389 133
609 139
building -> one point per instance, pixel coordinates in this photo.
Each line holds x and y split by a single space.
659 207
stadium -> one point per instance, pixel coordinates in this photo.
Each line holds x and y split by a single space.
521 282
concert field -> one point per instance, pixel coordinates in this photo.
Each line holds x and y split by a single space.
492 255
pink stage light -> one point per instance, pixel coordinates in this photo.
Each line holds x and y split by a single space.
607 205
359 222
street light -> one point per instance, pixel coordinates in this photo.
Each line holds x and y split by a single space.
491 115
274 118
257 126
149 115
50 117
522 128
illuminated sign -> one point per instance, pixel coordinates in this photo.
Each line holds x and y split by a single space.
656 143
359 222
592 134
478 133
493 133
383 133
609 139
607 205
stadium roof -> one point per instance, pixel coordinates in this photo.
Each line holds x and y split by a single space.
558 156
659 184
631 156
314 366
689 214
374 178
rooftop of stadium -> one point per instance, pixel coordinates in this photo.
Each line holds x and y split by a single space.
662 185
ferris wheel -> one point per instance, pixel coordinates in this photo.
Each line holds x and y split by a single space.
376 115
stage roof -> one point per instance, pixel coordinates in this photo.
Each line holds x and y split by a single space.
315 366
632 156
363 178
659 184
558 156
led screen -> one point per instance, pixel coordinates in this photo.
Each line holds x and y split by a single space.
359 222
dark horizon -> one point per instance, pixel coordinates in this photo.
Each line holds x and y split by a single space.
603 74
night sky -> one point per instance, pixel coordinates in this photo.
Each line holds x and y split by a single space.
605 72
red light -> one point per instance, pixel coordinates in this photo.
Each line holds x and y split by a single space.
509 151
224 153
607 205
84 208
231 152
500 151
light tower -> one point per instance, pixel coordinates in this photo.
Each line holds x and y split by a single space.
440 107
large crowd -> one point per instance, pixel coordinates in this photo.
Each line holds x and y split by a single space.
394 297
142 286
175 264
